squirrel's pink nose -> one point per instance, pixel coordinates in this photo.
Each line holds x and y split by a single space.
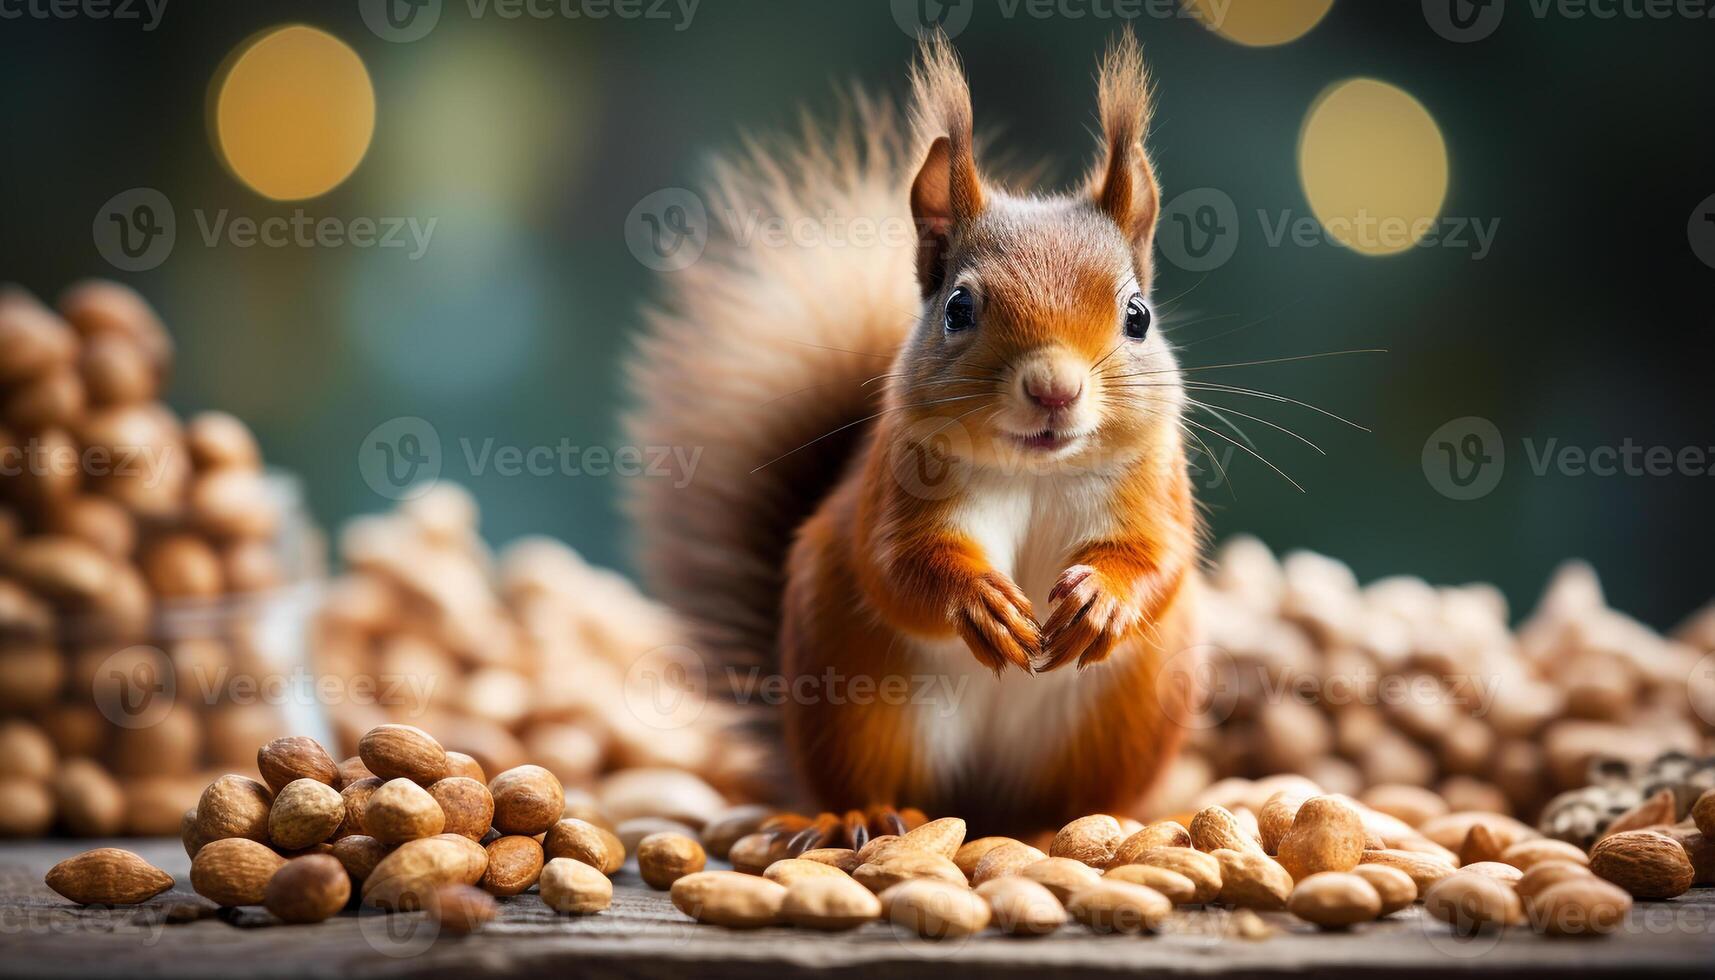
1051 391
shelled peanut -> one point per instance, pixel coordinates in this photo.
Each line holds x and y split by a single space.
406 825
521 656
1401 683
133 545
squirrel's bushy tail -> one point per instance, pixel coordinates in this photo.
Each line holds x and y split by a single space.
757 356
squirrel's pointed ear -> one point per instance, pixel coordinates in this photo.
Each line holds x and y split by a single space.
945 195
947 192
1124 184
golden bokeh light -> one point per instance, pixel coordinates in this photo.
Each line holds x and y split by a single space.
1373 165
1260 23
294 112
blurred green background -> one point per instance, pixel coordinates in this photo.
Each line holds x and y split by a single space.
529 140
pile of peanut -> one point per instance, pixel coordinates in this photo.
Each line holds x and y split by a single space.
120 526
524 656
1329 860
406 825
1402 683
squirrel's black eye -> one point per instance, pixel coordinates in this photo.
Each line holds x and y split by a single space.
1137 319
961 312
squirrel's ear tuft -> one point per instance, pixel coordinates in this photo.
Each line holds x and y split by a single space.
1124 183
947 191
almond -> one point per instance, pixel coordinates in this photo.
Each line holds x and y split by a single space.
1178 888
466 804
753 853
1117 906
475 856
234 871
350 771
527 800
1021 907
90 803
1327 835
729 898
1580 906
1414 805
1252 880
907 864
1061 876
568 885
972 851
1700 849
1274 820
1162 833
1393 886
843 858
1657 811
1703 814
943 836
1471 902
514 864
1545 875
1336 899
295 757
1007 859
460 910
306 812
356 795
1423 869
459 764
108 876
828 902
358 854
1091 840
1215 828
308 889
579 840
727 826
1646 863
934 909
233 806
665 858
1450 829
793 870
1480 845
403 880
403 752
1527 854
400 810
1204 870
1504 873
877 847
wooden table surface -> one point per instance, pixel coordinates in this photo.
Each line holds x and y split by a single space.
42 935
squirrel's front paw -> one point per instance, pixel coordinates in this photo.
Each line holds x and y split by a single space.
1088 622
995 621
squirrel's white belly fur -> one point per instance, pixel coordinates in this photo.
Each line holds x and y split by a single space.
994 729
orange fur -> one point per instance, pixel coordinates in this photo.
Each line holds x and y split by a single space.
1037 557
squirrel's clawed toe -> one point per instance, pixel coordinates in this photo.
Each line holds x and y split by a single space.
1086 625
996 622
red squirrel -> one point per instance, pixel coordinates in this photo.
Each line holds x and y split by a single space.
955 454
